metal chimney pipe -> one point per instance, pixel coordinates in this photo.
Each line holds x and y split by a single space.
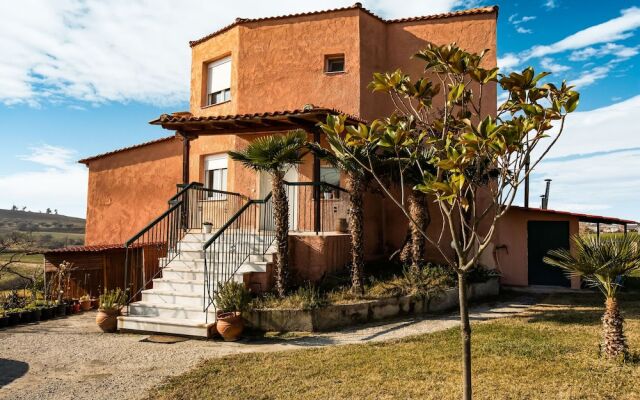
546 194
542 201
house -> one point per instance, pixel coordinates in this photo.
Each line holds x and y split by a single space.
255 77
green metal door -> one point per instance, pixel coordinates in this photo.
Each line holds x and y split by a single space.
542 237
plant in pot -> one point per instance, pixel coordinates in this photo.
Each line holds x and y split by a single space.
36 312
85 303
111 303
231 300
206 227
4 319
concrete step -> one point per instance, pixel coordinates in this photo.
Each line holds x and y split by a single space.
188 299
223 245
143 309
195 272
179 285
227 235
174 326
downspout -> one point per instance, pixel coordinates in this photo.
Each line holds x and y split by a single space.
186 147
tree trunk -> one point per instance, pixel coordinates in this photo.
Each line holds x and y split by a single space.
281 220
355 219
614 344
465 331
420 213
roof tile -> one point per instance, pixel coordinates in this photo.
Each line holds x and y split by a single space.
238 21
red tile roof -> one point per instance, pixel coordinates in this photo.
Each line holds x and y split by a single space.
238 21
581 217
86 249
89 159
188 117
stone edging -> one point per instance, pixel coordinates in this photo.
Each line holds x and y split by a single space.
344 315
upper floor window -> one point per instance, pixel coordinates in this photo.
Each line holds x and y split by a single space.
219 81
334 64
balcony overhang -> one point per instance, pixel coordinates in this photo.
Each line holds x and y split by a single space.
189 125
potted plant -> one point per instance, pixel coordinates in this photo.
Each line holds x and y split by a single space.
231 300
61 308
4 319
206 227
85 303
15 316
111 303
36 312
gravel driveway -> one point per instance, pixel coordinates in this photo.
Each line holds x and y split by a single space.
70 358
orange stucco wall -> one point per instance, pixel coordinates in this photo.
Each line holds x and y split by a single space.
128 189
511 243
279 64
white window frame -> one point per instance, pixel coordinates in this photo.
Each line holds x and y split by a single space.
219 87
214 163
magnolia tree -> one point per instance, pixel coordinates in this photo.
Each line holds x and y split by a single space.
470 162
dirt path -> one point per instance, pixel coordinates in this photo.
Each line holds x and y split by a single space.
69 358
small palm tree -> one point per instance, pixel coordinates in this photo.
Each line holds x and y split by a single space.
275 154
602 263
349 161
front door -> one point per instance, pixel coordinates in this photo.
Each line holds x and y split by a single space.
292 195
542 237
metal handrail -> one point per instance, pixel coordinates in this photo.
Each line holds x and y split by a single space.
248 228
159 240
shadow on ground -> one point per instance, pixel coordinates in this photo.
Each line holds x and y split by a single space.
10 370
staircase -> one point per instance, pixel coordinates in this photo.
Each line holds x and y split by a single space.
177 301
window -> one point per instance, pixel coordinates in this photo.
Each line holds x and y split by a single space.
219 81
331 176
215 171
334 64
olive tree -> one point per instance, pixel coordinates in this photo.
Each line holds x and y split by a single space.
471 162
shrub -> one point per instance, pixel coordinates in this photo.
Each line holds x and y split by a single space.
113 300
481 274
423 282
232 296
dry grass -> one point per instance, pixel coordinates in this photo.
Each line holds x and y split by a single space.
550 353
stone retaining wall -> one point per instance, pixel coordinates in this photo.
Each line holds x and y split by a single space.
343 315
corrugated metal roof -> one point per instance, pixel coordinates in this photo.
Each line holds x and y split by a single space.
581 217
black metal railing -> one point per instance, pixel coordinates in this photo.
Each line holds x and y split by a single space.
157 244
250 231
316 206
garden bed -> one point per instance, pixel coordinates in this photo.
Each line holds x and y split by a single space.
337 316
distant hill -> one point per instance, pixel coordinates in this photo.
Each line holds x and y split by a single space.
48 230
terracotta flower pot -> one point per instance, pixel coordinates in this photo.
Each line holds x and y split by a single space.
76 308
85 305
107 320
230 325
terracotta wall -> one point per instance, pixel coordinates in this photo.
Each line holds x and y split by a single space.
279 64
130 188
511 243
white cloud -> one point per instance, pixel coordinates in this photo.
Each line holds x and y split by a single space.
516 22
596 163
591 76
131 50
508 61
55 180
615 29
550 65
550 4
618 50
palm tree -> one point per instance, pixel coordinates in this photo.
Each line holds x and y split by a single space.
348 159
602 263
275 154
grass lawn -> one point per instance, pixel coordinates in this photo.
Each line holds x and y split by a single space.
549 353
25 259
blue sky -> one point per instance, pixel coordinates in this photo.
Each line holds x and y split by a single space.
80 78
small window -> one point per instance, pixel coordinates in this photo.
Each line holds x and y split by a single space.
334 64
219 81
